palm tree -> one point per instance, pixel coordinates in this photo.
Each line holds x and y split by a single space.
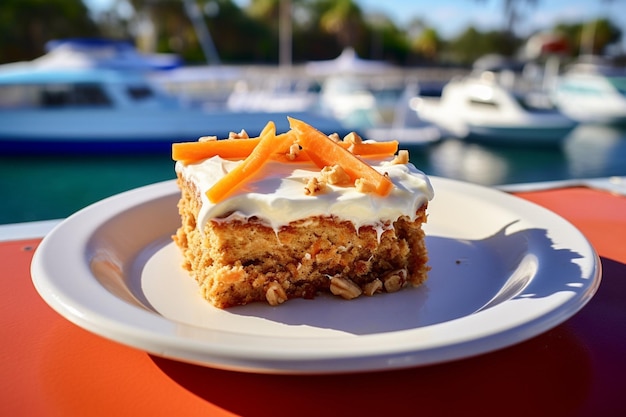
427 43
343 19
26 25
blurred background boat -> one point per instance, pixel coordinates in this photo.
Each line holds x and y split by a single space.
359 101
88 53
277 93
406 126
592 90
357 91
484 106
100 98
371 97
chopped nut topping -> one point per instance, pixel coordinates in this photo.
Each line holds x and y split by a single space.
334 137
344 287
207 138
275 294
294 151
373 287
241 135
335 175
353 138
395 280
364 186
314 187
401 158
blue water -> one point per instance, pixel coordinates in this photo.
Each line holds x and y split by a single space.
51 187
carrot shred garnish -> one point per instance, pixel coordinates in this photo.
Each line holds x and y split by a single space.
270 127
325 152
190 152
268 145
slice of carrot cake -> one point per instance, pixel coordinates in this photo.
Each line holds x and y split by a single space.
299 213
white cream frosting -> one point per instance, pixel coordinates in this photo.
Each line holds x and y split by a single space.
276 194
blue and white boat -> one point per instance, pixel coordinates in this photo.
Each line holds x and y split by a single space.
83 108
109 110
593 91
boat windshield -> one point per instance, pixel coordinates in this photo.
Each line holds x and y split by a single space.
535 102
482 103
619 83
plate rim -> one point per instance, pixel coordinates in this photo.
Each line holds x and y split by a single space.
233 354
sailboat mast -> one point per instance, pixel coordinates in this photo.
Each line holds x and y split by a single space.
285 34
202 31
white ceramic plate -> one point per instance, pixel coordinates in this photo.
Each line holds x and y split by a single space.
503 270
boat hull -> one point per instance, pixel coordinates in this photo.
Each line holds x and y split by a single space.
527 135
82 131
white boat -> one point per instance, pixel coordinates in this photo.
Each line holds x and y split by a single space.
348 62
358 92
275 93
109 110
406 127
362 102
479 107
593 92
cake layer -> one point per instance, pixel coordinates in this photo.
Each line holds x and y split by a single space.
240 261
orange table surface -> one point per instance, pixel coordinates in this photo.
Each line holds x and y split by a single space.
51 367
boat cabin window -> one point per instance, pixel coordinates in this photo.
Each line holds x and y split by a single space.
74 95
140 92
53 96
18 96
483 103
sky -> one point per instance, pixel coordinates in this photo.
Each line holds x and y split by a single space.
451 17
